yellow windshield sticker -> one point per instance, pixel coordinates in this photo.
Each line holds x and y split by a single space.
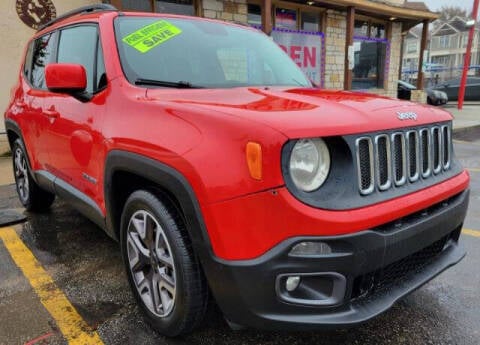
151 35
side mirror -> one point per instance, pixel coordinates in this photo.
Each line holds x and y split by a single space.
67 78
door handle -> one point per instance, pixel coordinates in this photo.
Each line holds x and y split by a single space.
20 105
53 114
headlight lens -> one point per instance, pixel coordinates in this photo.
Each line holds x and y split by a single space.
309 164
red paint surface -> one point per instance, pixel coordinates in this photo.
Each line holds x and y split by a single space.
65 76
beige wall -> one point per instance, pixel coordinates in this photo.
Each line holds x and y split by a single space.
233 11
335 38
14 35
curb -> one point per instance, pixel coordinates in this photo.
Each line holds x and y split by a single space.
458 132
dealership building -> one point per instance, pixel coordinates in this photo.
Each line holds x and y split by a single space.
340 44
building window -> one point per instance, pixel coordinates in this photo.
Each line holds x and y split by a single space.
444 41
370 49
377 30
442 60
285 19
254 16
361 28
367 28
464 40
136 5
412 47
184 7
310 21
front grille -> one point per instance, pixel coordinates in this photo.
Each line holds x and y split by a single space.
393 273
391 160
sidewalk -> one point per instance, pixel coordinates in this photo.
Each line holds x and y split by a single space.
465 119
6 171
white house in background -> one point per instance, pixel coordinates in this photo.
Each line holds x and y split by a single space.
447 44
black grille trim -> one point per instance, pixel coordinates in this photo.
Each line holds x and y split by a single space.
383 162
436 150
399 163
447 147
384 278
422 151
364 150
426 157
413 163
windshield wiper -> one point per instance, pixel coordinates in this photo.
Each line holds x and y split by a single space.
176 84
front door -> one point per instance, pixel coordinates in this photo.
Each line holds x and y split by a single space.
75 135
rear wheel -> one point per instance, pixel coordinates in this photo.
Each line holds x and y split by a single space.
32 197
162 270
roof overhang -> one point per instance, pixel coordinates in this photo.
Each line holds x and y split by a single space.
408 16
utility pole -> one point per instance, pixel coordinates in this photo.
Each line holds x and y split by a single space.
466 62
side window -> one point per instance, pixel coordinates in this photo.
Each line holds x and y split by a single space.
27 66
79 45
42 52
101 75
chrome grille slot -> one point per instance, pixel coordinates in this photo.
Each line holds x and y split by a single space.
365 166
413 165
383 164
446 140
436 152
391 160
425 150
398 157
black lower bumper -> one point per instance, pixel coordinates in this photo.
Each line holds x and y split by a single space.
366 272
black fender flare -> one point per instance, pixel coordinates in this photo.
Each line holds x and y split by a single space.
11 125
164 177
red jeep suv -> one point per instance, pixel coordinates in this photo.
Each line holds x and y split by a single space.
226 174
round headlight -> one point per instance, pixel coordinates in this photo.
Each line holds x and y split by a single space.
309 164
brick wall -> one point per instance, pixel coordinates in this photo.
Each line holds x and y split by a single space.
395 49
336 27
232 11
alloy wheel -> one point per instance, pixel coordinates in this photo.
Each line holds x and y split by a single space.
21 174
151 263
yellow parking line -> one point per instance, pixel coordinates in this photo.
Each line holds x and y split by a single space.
474 233
473 169
73 327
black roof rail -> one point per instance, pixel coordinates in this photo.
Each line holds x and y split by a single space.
80 10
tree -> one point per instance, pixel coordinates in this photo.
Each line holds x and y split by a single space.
448 12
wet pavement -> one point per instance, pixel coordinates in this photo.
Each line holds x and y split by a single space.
86 265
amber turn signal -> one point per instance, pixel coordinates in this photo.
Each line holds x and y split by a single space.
254 160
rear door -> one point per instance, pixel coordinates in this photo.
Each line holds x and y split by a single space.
75 139
33 121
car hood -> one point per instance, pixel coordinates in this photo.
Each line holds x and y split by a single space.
304 112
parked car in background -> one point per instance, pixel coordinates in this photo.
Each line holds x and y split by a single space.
451 87
434 97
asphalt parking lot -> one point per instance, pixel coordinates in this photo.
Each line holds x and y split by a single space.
62 281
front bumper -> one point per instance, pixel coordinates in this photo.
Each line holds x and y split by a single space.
379 266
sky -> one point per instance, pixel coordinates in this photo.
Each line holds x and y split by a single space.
435 5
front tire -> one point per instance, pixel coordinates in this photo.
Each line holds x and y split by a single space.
162 270
32 197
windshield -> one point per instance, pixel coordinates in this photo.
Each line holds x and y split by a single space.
201 53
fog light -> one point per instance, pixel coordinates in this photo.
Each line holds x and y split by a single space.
292 283
310 249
